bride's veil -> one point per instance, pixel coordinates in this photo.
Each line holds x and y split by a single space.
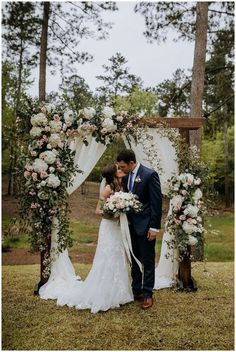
102 186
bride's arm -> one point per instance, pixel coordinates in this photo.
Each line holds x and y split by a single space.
103 197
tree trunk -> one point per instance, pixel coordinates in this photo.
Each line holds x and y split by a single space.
43 52
197 86
42 95
226 159
14 142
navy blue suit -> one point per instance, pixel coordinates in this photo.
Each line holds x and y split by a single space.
148 189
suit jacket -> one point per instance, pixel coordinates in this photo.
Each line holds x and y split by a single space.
148 190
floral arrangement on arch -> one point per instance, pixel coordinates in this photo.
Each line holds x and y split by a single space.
103 124
184 222
49 166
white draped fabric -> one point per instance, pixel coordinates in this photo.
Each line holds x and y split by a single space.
166 154
167 269
62 271
86 157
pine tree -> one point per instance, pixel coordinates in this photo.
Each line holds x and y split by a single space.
20 33
116 79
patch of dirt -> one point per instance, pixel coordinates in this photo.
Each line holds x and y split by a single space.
20 256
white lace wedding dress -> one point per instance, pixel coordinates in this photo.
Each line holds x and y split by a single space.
107 284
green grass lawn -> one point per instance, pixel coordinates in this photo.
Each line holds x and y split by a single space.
177 321
219 240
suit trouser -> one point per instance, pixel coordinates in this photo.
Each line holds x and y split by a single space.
144 250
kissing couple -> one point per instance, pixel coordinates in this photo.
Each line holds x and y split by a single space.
107 284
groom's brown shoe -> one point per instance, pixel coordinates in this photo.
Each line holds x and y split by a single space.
147 303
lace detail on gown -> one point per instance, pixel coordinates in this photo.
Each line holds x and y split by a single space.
107 284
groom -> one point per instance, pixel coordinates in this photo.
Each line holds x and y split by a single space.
145 225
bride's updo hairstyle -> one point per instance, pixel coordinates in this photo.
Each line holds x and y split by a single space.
109 173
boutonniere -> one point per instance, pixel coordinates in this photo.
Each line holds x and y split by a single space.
137 179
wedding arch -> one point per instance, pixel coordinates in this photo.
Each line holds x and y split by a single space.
63 151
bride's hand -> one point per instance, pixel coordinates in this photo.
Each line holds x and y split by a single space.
98 212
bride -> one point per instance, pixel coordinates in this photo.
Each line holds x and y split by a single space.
107 284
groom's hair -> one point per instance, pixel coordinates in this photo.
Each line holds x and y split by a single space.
126 155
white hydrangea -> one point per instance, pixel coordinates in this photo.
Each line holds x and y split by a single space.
109 125
189 228
108 112
50 107
53 181
186 178
35 131
192 240
39 120
39 165
54 140
177 201
49 157
55 126
191 210
69 117
89 113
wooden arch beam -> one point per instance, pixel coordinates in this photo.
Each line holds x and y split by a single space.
174 122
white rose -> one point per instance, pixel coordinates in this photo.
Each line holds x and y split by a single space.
119 118
176 186
109 125
189 179
35 131
69 117
53 181
39 165
49 146
192 240
51 169
197 181
89 113
197 194
49 157
111 206
108 112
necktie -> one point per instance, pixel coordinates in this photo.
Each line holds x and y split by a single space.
131 181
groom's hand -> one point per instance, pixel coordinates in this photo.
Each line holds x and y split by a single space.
152 235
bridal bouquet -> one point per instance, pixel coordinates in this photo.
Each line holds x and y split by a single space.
122 202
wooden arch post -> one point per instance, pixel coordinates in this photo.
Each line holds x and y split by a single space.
185 125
